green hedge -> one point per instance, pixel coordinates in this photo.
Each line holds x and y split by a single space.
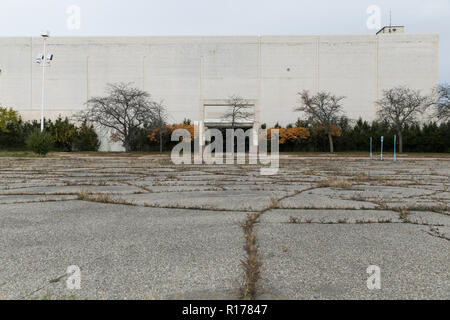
430 137
65 135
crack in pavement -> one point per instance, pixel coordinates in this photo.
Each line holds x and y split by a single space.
434 231
252 264
365 222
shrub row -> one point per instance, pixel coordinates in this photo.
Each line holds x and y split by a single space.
429 137
301 136
64 135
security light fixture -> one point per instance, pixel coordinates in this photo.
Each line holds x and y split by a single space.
45 34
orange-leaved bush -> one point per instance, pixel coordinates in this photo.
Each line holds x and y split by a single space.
290 135
167 130
334 130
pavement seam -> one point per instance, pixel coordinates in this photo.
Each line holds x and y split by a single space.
366 222
434 231
252 264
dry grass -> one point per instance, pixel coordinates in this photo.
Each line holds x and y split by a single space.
252 264
295 220
361 177
443 209
434 231
335 183
403 213
204 207
357 197
437 209
381 204
366 221
85 183
298 220
101 198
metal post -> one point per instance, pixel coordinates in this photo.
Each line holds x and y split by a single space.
43 85
160 132
382 140
371 153
395 148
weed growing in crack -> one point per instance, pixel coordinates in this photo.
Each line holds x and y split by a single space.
335 183
294 220
437 209
361 177
404 213
434 231
252 264
101 198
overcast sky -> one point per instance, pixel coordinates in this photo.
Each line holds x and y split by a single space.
223 17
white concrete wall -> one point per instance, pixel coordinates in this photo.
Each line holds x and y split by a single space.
187 71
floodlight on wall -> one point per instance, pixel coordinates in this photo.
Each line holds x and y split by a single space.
39 58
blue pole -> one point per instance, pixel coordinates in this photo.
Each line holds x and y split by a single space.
382 140
371 154
395 148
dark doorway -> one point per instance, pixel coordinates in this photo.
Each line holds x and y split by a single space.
224 135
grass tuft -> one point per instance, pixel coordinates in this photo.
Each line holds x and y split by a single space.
101 198
335 183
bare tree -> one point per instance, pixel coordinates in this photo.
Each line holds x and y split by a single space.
442 108
124 110
323 109
240 109
400 106
160 120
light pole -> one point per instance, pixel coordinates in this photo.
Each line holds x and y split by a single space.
44 61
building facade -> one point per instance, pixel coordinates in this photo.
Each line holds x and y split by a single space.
195 75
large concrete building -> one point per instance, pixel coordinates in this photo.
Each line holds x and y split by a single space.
195 75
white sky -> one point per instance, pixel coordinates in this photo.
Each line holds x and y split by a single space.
226 17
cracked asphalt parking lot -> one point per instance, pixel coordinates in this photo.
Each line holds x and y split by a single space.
143 228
